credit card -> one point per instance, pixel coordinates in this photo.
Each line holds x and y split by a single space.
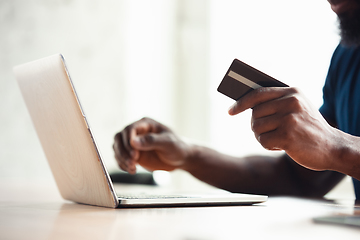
241 79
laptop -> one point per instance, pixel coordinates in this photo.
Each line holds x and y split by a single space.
70 147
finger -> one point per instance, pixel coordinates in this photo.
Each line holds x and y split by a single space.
270 140
128 166
266 109
151 141
132 154
141 128
122 156
121 163
124 138
125 154
283 105
266 124
285 135
121 152
119 159
146 125
123 167
116 151
131 168
257 97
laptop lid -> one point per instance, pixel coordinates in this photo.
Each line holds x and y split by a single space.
64 132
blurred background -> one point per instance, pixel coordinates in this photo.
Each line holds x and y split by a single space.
162 59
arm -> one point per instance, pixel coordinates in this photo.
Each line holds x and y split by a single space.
156 147
260 174
283 119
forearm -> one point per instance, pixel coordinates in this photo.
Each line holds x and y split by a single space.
347 155
258 174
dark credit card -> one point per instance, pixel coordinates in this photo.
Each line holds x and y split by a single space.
242 78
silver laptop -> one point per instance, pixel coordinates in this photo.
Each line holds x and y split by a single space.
70 147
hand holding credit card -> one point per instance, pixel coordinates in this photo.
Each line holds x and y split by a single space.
241 78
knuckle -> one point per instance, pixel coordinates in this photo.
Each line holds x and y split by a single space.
294 103
295 90
148 139
117 136
128 128
258 111
290 121
272 140
287 137
257 92
255 126
264 141
145 119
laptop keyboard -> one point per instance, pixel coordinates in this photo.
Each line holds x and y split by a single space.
145 196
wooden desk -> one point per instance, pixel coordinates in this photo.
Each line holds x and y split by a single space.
36 211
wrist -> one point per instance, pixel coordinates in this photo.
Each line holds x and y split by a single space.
193 153
346 156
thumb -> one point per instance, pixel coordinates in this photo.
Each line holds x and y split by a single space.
148 142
